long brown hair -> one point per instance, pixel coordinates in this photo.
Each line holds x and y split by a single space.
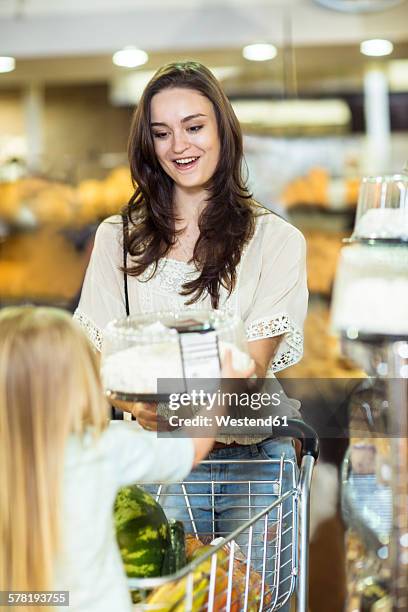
225 224
49 388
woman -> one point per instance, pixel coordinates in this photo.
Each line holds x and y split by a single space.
195 237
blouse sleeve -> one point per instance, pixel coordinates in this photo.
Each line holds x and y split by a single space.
280 301
102 296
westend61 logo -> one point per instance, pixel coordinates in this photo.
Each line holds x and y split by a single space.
202 399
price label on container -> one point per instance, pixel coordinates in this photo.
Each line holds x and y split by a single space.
200 355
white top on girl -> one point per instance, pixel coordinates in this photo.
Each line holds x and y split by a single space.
89 564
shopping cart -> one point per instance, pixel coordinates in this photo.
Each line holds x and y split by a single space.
258 565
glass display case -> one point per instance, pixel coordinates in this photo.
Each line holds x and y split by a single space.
369 312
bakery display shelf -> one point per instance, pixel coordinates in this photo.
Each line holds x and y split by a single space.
303 207
319 297
80 236
366 507
24 222
4 230
320 218
376 341
377 241
16 229
374 500
54 199
34 224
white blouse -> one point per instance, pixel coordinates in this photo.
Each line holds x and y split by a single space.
270 294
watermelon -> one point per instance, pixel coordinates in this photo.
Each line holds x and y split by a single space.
142 532
178 546
176 554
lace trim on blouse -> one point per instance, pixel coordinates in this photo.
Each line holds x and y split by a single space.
172 274
168 281
262 328
92 331
281 324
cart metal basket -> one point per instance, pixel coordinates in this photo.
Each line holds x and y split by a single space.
260 563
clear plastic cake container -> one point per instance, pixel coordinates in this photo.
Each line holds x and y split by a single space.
371 291
140 353
382 210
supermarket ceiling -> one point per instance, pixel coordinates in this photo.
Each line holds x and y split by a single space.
41 7
30 28
72 40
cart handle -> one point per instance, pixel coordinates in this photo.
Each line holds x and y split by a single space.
299 430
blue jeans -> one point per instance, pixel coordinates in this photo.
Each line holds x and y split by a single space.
215 499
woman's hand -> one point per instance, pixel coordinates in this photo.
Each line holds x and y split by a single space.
228 371
144 413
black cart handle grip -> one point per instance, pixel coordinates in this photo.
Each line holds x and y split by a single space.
301 431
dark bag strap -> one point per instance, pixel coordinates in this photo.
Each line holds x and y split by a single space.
125 276
117 415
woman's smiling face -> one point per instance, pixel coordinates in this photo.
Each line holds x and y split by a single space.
185 136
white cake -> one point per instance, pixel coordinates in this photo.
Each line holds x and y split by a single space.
383 223
136 369
371 290
374 306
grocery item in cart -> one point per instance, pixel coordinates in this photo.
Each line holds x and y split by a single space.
176 555
171 596
240 575
174 593
371 290
140 350
142 532
382 211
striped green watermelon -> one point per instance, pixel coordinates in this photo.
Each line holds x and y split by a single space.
142 532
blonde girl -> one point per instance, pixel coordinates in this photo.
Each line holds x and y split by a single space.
62 463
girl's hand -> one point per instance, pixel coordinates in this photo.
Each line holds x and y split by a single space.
228 371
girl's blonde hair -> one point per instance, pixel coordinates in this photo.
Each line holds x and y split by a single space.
49 388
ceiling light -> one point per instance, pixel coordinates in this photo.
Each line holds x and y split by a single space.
398 75
376 47
7 64
259 52
130 57
276 115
